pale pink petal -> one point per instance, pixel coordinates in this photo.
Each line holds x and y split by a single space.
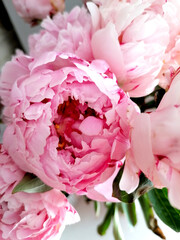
91 126
130 177
104 39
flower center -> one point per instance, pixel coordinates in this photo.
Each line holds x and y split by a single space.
70 114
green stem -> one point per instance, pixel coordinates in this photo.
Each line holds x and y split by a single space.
97 208
120 208
102 228
151 221
130 212
117 230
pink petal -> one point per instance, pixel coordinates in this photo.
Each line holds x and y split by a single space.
105 46
142 145
130 178
91 126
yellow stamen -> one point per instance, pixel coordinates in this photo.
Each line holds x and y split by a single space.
61 145
57 126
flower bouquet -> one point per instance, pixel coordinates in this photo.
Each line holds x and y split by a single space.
92 109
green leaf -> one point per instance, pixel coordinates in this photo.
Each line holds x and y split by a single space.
144 186
117 232
31 184
102 228
169 215
130 212
151 221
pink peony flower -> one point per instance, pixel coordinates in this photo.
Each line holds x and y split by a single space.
34 10
65 33
171 59
155 143
132 37
69 121
30 216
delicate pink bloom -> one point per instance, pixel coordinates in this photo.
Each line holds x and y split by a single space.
65 33
30 216
132 37
32 10
171 9
155 143
9 171
69 121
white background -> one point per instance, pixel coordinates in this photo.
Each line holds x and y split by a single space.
86 229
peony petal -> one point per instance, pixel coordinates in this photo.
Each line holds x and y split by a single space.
130 178
144 158
91 126
105 46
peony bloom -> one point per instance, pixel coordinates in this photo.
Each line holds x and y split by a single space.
34 10
68 121
132 37
171 59
155 143
30 216
65 33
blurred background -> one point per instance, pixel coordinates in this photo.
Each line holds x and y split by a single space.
14 34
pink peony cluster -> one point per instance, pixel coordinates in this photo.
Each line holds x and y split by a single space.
34 10
138 39
155 144
68 120
65 33
30 216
